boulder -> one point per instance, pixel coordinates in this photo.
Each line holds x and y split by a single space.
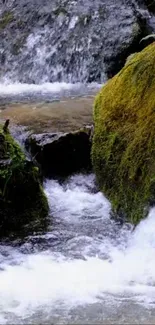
23 205
68 40
123 150
61 154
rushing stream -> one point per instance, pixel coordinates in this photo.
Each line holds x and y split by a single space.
85 269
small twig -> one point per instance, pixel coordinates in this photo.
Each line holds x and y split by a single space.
6 125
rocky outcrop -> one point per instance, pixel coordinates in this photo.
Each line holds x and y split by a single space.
48 41
61 154
23 205
149 4
123 151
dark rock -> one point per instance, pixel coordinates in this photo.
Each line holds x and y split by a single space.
6 125
140 29
145 41
150 4
61 154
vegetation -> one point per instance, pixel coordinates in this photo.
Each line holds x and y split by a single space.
123 151
6 19
23 205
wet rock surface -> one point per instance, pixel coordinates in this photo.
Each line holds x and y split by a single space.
61 154
44 41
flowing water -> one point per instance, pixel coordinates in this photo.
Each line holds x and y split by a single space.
85 269
71 41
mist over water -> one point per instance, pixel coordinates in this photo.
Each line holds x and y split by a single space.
84 262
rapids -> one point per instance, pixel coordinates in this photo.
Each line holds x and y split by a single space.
85 269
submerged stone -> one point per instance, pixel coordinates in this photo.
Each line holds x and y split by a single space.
61 154
123 152
23 205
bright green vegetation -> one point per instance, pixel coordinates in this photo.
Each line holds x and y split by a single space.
123 152
23 205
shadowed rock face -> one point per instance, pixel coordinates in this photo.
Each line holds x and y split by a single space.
147 41
61 154
43 40
150 4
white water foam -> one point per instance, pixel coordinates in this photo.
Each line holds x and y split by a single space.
74 200
17 88
7 88
50 279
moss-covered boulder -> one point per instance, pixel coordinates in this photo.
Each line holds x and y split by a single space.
123 151
23 205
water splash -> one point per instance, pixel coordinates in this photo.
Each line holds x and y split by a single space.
92 258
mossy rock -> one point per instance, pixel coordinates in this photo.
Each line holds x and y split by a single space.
23 205
6 19
123 151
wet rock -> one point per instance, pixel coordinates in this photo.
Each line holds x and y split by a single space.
23 205
77 40
61 154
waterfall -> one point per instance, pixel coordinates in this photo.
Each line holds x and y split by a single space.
68 41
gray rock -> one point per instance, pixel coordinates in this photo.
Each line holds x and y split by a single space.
68 40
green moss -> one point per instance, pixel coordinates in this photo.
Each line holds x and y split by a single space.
9 149
6 19
23 205
123 151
